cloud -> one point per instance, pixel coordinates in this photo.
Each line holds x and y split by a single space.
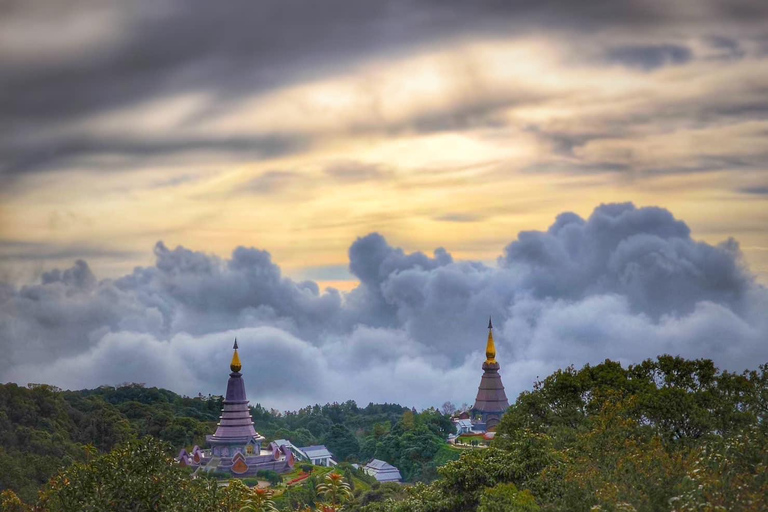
756 190
626 283
271 182
101 59
459 217
643 254
650 57
41 155
17 250
350 172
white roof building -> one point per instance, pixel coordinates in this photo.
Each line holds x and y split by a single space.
463 426
319 455
383 471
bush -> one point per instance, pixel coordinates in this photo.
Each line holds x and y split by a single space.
270 476
216 475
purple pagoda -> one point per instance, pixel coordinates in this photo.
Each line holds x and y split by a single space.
236 447
235 432
491 402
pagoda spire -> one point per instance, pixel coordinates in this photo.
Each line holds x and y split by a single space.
491 401
235 365
490 348
235 427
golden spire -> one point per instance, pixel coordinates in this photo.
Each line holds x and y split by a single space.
235 365
490 348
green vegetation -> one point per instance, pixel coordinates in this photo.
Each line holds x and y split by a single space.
44 429
137 475
664 435
272 477
412 445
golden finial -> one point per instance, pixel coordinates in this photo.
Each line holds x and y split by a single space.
235 365
490 348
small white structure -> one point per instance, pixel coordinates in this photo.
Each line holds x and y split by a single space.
319 455
463 426
383 471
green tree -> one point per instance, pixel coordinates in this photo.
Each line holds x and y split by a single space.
138 475
506 498
342 443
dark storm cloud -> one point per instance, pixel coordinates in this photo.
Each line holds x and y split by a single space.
626 283
153 50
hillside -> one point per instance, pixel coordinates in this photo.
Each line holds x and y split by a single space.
665 435
44 429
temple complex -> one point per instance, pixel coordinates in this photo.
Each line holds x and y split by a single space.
491 402
236 447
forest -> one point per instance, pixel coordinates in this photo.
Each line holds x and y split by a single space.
668 434
44 429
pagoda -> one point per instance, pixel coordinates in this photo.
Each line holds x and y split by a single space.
235 431
491 402
236 447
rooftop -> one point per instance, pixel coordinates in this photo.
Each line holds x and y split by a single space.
316 451
383 471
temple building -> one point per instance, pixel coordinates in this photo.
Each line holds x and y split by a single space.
491 402
236 447
383 471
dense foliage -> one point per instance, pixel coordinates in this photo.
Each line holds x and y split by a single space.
415 445
44 429
664 435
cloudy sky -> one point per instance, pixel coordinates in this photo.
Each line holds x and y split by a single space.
351 188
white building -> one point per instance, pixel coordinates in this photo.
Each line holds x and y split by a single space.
463 426
319 455
382 471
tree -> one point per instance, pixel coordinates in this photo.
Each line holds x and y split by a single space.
334 489
409 421
342 443
448 408
727 474
506 498
9 502
138 475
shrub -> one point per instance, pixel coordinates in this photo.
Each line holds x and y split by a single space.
270 476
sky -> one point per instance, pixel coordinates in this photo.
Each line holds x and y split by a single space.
352 188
